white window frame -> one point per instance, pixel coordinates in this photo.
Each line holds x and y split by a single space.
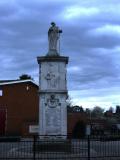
1 92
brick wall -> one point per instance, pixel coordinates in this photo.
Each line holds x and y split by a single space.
22 103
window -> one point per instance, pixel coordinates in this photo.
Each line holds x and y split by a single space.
1 92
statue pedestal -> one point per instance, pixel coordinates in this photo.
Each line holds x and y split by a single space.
52 95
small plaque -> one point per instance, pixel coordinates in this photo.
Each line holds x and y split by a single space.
33 129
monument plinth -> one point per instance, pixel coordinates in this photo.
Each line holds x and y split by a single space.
53 88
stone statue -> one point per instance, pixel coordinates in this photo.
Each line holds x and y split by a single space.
53 36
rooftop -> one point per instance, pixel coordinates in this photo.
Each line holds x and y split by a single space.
7 82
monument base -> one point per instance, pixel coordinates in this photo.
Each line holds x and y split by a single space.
53 146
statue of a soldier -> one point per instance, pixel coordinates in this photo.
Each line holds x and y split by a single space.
53 36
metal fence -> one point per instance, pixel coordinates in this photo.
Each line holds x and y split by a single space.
60 147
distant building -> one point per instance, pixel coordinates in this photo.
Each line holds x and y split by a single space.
18 106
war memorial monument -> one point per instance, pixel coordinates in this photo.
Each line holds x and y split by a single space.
53 88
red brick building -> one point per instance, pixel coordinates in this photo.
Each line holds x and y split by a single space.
19 103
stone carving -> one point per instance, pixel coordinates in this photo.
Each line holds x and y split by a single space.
51 77
52 80
53 36
52 102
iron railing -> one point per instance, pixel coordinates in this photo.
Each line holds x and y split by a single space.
60 147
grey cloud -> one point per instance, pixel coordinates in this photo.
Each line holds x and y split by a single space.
7 9
96 70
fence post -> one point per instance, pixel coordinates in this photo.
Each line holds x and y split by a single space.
88 147
34 147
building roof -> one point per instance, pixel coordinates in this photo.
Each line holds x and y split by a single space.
8 82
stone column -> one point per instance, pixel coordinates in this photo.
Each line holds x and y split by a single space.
52 95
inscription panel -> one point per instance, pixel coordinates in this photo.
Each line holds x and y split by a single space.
53 121
52 114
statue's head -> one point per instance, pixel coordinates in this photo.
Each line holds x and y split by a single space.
53 24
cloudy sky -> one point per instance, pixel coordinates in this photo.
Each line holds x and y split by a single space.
91 39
